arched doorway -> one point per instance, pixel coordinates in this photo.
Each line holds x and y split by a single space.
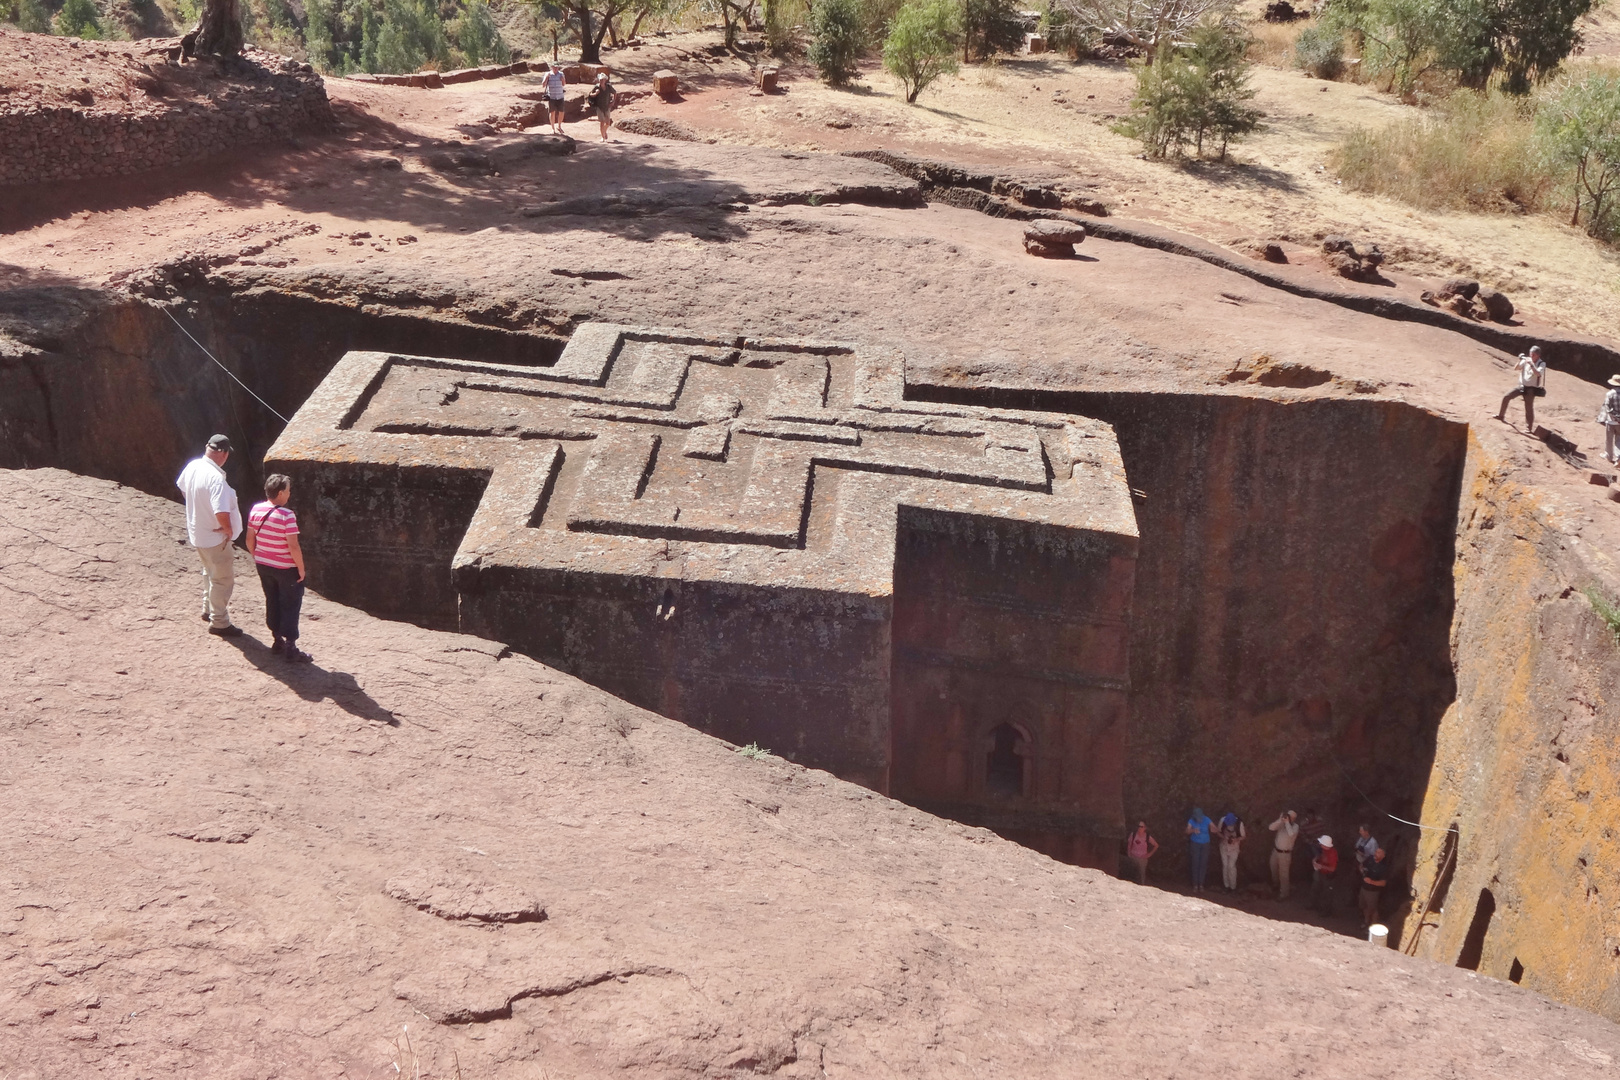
1006 763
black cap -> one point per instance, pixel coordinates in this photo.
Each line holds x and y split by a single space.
219 442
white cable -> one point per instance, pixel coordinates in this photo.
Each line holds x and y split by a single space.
223 368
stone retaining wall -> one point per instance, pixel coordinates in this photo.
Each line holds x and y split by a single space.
56 143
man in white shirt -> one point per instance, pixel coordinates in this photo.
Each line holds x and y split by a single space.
1282 851
1532 371
556 93
213 520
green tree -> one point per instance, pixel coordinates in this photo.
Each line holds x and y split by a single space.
838 36
989 27
33 18
409 37
922 44
1578 130
1193 96
78 18
479 38
1523 41
318 36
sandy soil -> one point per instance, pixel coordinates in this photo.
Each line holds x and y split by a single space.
219 863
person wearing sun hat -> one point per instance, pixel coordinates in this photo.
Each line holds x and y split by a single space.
1532 371
1323 867
1609 417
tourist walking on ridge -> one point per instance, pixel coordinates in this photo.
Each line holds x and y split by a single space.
273 539
1282 851
1323 867
1140 846
1198 827
1374 876
213 520
556 96
601 101
1233 833
1532 371
1609 417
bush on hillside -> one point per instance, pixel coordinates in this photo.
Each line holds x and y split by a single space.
990 27
1578 132
1473 152
1320 51
479 38
922 44
409 36
78 18
838 36
1194 96
33 18
785 24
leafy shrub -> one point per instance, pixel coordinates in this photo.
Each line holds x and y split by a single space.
479 38
1187 97
78 18
991 26
922 44
409 36
1148 23
1577 131
1320 50
838 35
33 18
785 22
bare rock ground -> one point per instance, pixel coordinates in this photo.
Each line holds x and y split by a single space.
217 863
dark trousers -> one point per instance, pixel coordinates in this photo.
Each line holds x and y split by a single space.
283 599
1321 892
1200 863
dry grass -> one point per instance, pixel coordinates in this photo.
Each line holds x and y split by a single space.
1273 43
1473 153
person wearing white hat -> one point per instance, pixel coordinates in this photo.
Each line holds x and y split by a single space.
601 102
1609 417
1532 371
1323 867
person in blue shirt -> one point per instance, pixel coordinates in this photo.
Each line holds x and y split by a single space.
1198 827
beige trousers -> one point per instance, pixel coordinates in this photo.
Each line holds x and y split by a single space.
1229 861
219 579
1282 863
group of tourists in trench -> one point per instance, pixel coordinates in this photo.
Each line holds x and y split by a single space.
1288 837
600 99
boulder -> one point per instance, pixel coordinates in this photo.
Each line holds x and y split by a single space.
1048 251
1034 43
1459 286
1496 305
1273 253
665 84
1053 232
1460 305
1337 243
765 79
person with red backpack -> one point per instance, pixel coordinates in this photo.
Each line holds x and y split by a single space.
1323 867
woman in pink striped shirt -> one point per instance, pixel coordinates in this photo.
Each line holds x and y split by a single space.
272 537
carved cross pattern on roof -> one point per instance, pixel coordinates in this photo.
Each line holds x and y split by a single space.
666 436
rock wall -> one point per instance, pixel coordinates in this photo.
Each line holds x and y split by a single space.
197 118
1527 763
1293 601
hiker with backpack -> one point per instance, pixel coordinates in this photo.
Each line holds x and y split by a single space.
601 102
1140 846
1232 834
1198 829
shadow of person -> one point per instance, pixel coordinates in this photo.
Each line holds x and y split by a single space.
313 682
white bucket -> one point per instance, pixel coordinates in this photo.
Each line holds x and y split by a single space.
1378 934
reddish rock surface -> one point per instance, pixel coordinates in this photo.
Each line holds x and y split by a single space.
216 862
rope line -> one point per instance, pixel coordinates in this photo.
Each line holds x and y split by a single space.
1375 806
223 368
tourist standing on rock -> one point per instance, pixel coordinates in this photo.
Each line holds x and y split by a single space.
1233 833
213 520
1532 371
1374 876
1198 827
1282 851
1140 846
1609 417
601 102
273 539
1323 867
556 95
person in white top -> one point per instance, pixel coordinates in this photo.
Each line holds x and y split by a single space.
213 520
1282 851
556 93
1609 417
1532 371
